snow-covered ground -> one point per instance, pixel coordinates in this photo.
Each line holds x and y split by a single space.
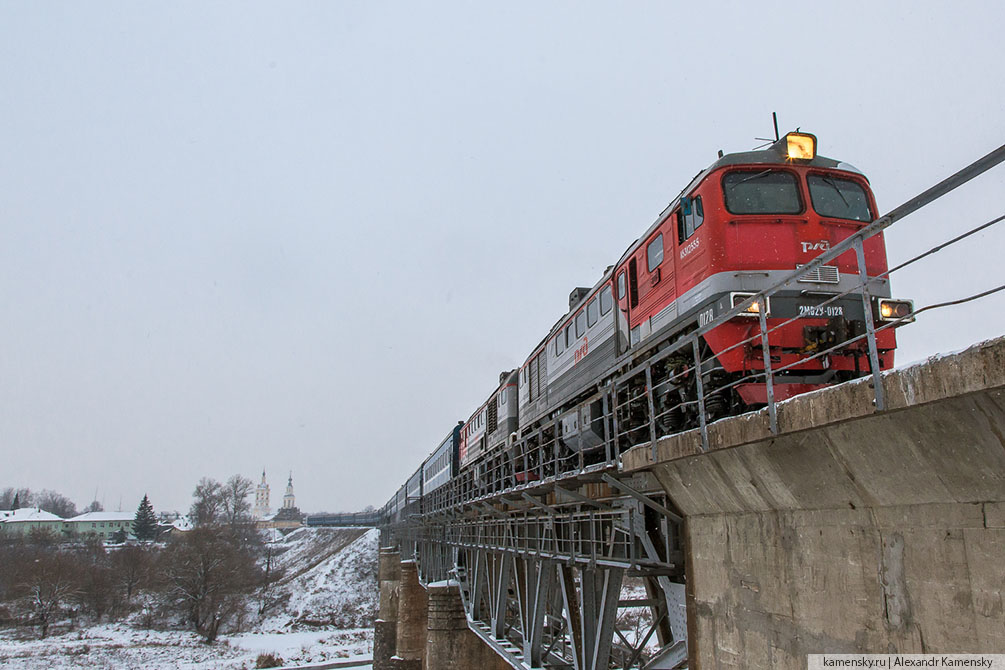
323 610
119 646
330 579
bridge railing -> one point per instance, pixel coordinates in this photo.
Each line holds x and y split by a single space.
550 507
664 394
348 519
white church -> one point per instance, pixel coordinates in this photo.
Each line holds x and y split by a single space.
288 516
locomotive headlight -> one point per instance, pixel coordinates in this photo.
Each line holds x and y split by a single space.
896 310
753 309
801 146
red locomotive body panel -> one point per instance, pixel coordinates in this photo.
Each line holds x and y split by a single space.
699 252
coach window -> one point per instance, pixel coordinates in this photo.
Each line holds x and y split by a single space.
568 335
655 252
580 324
591 313
605 299
559 344
621 285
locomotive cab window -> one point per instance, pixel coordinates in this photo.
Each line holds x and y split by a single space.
689 217
838 198
761 192
654 252
621 285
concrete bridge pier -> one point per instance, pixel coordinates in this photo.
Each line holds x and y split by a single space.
851 530
450 644
412 619
385 631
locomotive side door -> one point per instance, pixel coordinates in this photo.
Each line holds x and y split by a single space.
692 248
622 317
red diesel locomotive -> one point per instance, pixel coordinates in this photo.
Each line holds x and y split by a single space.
741 226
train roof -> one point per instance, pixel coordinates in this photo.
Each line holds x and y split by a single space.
504 378
775 154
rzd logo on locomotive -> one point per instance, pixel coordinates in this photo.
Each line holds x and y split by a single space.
820 245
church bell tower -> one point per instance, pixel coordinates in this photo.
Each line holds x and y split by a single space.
262 499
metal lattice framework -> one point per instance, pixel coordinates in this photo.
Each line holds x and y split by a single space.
543 536
542 583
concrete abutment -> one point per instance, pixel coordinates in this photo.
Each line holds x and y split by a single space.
419 628
450 644
851 531
385 628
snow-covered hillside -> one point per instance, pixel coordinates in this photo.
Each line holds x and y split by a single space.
321 609
330 579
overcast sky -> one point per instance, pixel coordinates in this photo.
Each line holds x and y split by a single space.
308 236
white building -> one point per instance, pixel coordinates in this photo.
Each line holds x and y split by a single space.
262 509
102 524
26 519
289 500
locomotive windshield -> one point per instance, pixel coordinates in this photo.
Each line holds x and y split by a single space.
838 198
764 192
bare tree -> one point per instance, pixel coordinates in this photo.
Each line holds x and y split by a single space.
236 508
207 506
24 497
95 506
209 577
14 556
56 503
49 580
96 592
271 575
130 565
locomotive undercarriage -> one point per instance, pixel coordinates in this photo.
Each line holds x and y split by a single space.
621 412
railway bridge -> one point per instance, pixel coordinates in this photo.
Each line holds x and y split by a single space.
868 517
851 530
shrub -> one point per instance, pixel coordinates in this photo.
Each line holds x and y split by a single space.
268 661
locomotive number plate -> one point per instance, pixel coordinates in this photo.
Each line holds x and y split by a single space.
819 310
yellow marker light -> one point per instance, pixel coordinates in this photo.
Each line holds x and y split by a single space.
753 309
801 146
901 311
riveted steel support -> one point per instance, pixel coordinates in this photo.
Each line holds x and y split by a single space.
601 591
870 327
536 578
769 377
701 394
652 408
500 587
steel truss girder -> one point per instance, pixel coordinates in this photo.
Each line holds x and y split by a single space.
541 608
